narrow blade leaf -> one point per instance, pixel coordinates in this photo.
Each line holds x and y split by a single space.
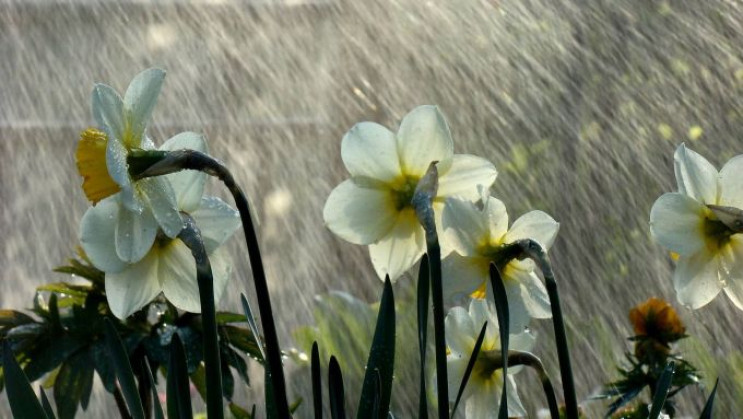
45 404
316 382
251 323
661 390
709 406
123 369
381 359
177 389
470 365
337 397
159 414
21 396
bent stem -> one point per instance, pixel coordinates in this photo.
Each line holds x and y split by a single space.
534 251
423 204
159 163
191 236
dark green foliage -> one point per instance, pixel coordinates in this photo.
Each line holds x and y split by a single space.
23 401
470 365
65 337
337 394
501 308
709 405
661 391
380 366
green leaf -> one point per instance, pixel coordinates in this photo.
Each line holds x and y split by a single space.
501 308
151 384
65 288
242 339
73 384
294 406
224 317
422 302
240 413
48 352
12 318
470 365
381 358
709 406
661 390
103 365
337 396
88 272
178 394
123 369
252 325
316 382
46 405
237 362
23 401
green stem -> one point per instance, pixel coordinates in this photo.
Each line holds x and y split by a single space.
422 202
534 250
175 161
191 236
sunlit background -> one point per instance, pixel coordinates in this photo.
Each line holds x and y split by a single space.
580 105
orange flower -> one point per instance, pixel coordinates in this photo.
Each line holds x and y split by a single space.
657 320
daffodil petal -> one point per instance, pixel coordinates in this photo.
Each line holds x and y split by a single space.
677 222
515 407
697 279
177 272
462 275
135 234
423 138
370 150
97 235
456 365
108 111
400 248
161 200
217 222
696 177
188 185
535 225
359 215
467 176
131 289
464 226
497 219
140 99
733 286
731 183
118 169
518 313
460 332
484 400
481 311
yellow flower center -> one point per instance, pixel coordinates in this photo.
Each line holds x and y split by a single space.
488 364
403 189
716 233
91 164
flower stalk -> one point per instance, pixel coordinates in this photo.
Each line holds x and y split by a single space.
191 236
178 160
423 203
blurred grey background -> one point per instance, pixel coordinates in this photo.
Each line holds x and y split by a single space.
580 104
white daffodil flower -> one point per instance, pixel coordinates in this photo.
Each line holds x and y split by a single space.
374 206
102 161
167 265
478 238
691 224
481 396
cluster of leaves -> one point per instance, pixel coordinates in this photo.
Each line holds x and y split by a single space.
62 339
641 375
